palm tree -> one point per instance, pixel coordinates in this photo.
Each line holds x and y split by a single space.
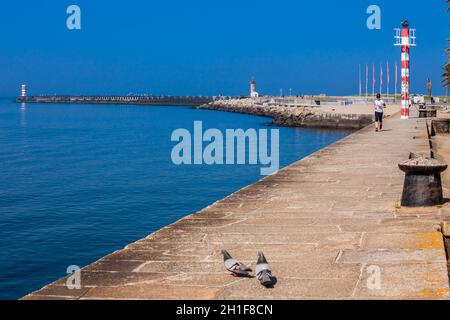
446 75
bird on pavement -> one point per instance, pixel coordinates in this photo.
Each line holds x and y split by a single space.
263 271
236 267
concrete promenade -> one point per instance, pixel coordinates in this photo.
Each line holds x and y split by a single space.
326 225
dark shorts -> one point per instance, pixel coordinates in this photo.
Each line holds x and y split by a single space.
378 116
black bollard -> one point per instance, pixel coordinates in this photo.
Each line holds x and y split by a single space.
423 186
427 113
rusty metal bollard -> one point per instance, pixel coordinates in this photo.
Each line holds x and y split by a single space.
422 186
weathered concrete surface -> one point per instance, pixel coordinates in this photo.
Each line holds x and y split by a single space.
325 224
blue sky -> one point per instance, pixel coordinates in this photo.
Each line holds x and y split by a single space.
211 47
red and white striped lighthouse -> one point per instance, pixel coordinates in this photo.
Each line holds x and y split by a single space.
405 38
24 90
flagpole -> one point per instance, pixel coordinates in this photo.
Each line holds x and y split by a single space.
381 78
360 83
373 79
396 82
367 79
388 78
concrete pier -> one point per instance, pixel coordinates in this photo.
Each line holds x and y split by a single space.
330 225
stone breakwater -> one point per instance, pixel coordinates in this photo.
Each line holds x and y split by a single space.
293 116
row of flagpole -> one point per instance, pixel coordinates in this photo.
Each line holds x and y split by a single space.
374 79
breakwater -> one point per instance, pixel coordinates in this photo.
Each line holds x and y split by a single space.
131 99
292 116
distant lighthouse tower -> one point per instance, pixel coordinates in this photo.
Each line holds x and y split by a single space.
405 38
253 92
24 90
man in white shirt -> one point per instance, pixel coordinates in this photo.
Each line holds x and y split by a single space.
379 105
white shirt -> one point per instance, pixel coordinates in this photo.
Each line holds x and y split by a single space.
379 104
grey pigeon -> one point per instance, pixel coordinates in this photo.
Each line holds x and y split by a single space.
235 267
263 271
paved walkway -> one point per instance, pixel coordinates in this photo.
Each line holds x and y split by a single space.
326 224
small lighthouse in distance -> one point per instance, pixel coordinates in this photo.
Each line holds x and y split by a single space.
253 92
24 90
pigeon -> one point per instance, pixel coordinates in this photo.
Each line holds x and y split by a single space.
235 267
263 271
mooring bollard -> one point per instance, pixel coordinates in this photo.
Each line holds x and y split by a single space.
423 186
427 113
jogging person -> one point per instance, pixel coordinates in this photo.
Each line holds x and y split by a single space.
379 105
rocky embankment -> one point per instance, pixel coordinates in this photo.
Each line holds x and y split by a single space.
299 116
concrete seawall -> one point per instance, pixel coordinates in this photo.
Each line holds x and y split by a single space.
293 116
324 223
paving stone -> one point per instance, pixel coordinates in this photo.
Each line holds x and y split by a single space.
47 297
403 240
59 293
404 281
288 288
111 278
393 256
152 291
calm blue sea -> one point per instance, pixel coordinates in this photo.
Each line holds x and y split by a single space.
80 181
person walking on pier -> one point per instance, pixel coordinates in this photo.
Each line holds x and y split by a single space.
379 105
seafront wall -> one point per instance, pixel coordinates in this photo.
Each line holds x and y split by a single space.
292 116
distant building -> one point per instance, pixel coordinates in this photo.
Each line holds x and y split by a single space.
24 90
253 92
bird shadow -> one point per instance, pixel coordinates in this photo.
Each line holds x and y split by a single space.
246 276
273 282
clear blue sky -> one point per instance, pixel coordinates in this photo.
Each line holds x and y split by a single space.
210 47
